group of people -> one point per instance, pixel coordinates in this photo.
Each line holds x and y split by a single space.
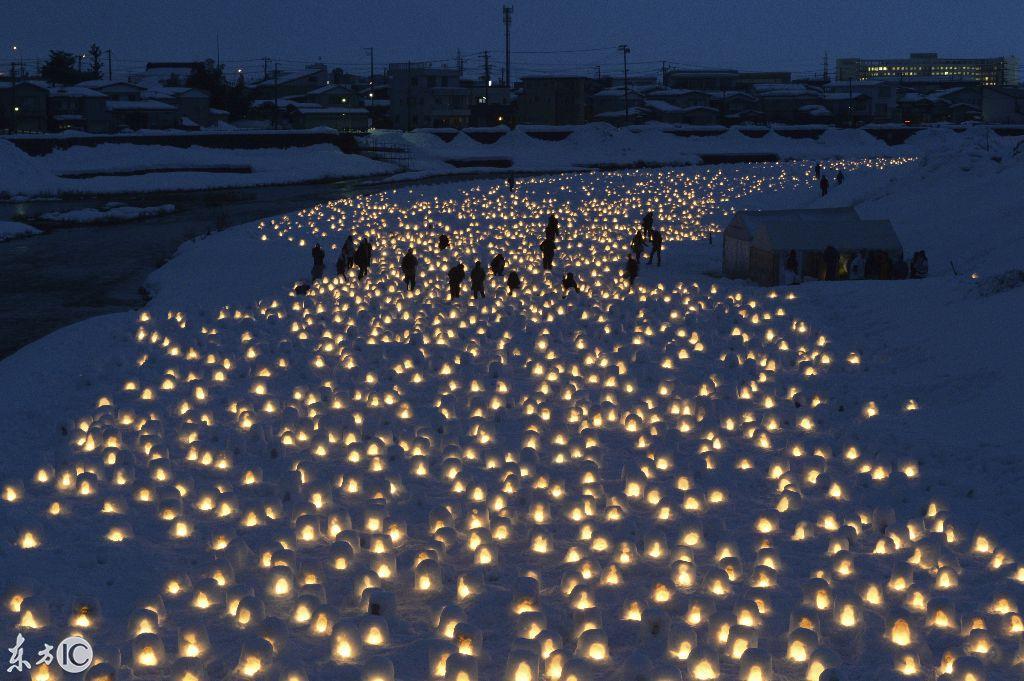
647 234
830 265
823 180
361 257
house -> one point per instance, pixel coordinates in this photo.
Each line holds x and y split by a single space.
736 107
612 100
73 107
554 100
882 99
790 103
193 105
847 108
1002 105
23 106
756 244
142 114
425 96
290 83
683 99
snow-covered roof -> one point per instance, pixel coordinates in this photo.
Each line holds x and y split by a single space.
289 77
140 105
75 91
101 84
330 87
663 107
816 229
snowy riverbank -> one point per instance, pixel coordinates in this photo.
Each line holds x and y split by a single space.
695 457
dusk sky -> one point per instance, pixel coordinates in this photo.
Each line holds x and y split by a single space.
567 35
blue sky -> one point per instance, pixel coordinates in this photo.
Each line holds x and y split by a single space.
548 35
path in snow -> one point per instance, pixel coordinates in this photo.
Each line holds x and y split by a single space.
665 483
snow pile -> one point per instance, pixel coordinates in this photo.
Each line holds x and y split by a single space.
113 212
680 480
10 230
600 144
124 168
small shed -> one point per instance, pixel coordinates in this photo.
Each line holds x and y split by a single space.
756 244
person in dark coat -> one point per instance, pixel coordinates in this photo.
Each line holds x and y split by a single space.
839 178
443 243
637 244
497 265
831 258
455 277
551 231
817 170
409 263
513 282
477 276
899 269
632 268
656 240
318 262
348 255
792 273
569 284
919 266
648 225
362 258
547 249
511 183
824 185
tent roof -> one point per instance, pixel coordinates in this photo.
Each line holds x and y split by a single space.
816 229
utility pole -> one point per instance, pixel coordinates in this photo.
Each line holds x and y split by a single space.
14 93
459 63
824 71
664 74
625 82
266 68
110 65
850 81
370 51
275 96
506 13
487 75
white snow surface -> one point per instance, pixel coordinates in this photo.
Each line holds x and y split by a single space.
677 481
110 213
164 168
9 230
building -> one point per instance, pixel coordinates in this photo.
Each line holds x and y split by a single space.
792 103
554 100
722 80
929 66
290 83
880 102
73 107
425 96
130 107
23 106
756 244
1002 105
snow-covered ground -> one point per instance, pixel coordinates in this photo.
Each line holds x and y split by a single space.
9 230
693 479
157 168
113 212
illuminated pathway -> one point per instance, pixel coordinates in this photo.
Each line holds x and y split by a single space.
646 484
